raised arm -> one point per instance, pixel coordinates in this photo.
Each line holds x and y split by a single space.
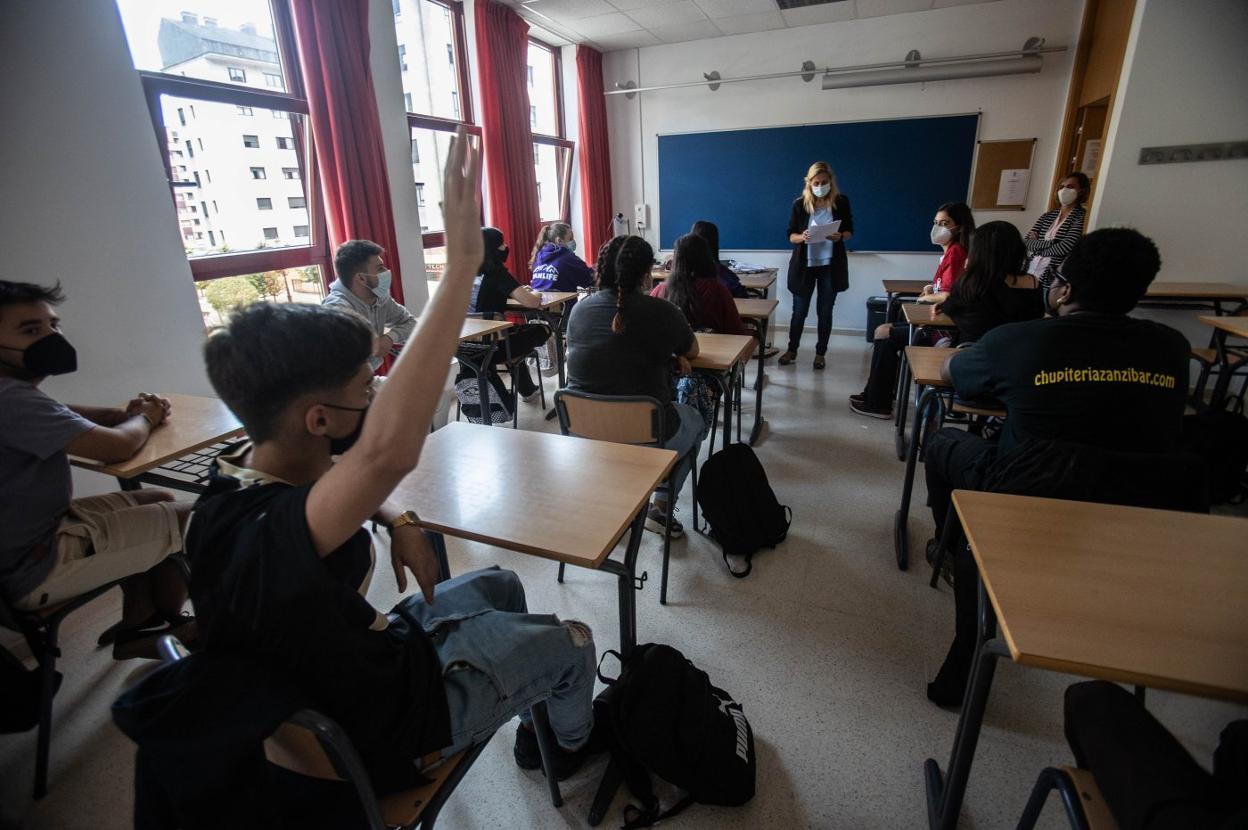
398 421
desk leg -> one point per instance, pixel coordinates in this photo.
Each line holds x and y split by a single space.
735 379
626 574
903 406
901 522
483 380
557 326
1223 385
944 797
757 429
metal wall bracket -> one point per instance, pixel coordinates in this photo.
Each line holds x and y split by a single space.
628 85
1179 153
714 78
808 71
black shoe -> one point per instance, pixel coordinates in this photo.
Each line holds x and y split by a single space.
116 629
144 643
930 553
565 762
860 399
863 409
949 687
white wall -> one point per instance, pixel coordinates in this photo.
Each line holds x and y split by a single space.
1183 82
85 202
1013 107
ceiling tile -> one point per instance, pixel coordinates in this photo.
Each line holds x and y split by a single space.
669 14
745 23
627 40
562 10
603 25
687 31
715 9
940 4
879 8
809 15
629 5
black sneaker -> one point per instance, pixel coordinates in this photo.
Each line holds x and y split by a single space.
656 521
528 755
144 643
863 409
860 399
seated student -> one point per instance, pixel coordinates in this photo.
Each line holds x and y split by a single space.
710 232
554 262
1091 376
694 288
624 342
1146 777
493 287
363 286
54 547
994 289
951 230
280 553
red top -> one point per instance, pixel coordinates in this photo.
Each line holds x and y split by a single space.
952 264
717 310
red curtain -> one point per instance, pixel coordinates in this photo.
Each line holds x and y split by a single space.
346 129
595 161
502 54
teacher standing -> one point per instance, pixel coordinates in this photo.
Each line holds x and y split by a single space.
819 266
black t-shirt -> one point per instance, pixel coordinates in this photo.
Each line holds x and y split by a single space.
638 360
259 588
1110 381
492 290
1000 305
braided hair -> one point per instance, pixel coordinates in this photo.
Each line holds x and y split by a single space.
605 264
627 272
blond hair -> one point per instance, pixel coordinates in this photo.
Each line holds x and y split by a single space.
808 197
549 233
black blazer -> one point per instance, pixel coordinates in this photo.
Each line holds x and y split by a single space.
799 221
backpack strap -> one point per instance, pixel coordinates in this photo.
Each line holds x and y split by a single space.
603 678
749 565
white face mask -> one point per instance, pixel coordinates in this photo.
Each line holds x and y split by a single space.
941 235
1067 196
820 190
383 285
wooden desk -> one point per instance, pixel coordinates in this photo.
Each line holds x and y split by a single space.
1224 327
554 310
550 299
904 288
469 482
760 311
1148 597
721 355
1212 293
475 327
924 314
759 281
194 423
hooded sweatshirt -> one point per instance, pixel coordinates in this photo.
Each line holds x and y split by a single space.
559 269
383 316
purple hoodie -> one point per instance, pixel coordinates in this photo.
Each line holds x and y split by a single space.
558 269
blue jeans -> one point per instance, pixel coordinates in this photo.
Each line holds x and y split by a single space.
819 279
498 659
688 437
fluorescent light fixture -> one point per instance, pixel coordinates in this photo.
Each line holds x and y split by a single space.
1021 65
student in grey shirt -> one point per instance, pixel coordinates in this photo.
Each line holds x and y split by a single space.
54 547
363 286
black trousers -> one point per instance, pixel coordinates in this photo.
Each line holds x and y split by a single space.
522 339
1148 780
885 360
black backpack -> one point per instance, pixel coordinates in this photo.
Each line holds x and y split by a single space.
739 505
662 715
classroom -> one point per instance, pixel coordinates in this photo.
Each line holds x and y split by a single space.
485 382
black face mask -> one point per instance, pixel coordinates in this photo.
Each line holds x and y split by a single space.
337 446
49 355
503 253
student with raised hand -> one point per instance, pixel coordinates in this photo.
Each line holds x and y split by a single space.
363 286
1056 232
694 288
279 542
554 262
494 286
951 229
54 547
622 341
817 266
710 232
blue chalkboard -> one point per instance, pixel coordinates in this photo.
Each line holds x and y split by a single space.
895 173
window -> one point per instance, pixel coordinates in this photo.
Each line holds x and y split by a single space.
270 233
407 101
273 81
200 142
530 68
281 115
552 152
258 173
181 116
403 57
296 202
533 117
420 195
539 193
264 204
208 175
252 141
455 103
190 151
212 240
415 152
450 54
537 156
245 110
285 142
300 231
237 74
290 173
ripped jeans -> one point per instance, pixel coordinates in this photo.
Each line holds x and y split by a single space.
498 659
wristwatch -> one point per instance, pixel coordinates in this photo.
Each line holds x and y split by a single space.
407 517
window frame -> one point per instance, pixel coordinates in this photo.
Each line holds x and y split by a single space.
560 139
293 101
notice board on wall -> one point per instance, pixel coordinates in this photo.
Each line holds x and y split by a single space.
896 173
1002 174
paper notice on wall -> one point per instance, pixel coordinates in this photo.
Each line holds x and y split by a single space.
1013 187
1091 157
